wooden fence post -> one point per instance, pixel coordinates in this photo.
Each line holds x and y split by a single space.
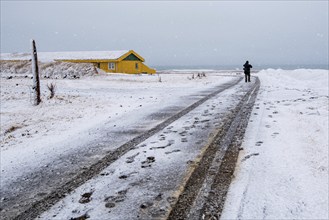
35 72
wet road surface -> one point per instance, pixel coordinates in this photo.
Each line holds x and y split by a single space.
208 128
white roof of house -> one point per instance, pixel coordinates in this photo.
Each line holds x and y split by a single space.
77 55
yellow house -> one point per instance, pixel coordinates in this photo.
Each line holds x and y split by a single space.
123 61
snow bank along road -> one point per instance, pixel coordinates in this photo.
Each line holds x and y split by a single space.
152 169
282 171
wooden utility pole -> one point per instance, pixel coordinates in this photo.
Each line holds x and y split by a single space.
35 72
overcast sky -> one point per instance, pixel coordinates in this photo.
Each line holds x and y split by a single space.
174 33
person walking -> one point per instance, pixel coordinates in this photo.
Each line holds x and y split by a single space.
246 68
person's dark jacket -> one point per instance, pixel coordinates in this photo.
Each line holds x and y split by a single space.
247 67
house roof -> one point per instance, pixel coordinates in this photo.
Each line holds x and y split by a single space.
80 55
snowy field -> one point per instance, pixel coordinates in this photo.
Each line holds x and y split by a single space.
84 103
282 173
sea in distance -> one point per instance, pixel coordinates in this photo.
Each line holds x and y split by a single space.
240 67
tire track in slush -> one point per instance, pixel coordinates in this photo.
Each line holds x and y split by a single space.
60 192
205 191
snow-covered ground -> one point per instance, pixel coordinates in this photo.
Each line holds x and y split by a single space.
80 106
282 173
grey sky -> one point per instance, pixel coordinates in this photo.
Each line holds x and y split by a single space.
174 33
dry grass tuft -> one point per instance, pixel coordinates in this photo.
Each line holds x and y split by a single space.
52 88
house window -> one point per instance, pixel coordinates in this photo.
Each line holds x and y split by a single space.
111 66
136 66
